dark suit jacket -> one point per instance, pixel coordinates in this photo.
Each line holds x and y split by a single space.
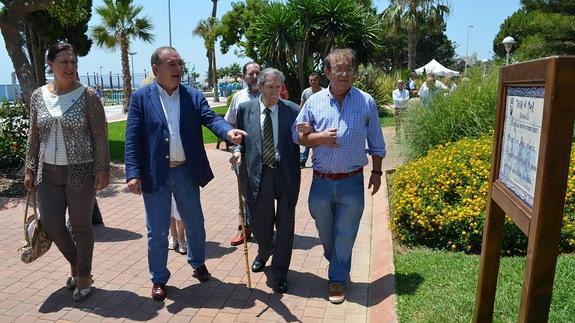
248 119
147 136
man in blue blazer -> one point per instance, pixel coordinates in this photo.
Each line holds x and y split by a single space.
165 156
270 163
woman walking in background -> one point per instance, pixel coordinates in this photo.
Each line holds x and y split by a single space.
67 159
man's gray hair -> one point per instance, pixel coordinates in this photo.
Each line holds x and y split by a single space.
270 71
158 52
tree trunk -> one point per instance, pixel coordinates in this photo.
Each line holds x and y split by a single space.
210 69
15 48
214 8
11 26
215 76
411 48
126 76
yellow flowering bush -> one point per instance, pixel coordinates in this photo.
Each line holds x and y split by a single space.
439 200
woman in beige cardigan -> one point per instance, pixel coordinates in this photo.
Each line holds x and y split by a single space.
68 161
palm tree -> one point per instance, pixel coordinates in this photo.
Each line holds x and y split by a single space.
295 36
206 29
410 14
120 26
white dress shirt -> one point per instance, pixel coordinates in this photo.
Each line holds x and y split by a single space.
171 106
400 98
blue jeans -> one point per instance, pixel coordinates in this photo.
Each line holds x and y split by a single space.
158 212
337 207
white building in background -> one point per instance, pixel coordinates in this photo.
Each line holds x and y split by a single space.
470 60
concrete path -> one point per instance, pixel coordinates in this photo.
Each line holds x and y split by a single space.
35 292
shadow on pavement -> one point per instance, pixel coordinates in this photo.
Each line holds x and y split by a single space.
215 250
109 234
105 303
305 242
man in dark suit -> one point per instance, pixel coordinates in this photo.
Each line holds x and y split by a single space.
165 156
271 168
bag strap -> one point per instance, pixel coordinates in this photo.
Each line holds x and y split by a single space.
29 194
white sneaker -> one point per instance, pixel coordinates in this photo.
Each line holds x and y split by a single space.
182 247
172 243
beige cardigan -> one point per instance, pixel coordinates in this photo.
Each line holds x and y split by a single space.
85 137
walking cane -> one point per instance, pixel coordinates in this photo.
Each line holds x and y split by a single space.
243 215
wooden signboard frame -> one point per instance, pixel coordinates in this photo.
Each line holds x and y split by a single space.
540 214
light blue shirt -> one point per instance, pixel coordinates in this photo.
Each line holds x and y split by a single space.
356 121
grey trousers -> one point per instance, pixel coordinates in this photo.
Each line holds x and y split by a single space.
54 197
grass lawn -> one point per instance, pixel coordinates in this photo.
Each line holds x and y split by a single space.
117 134
438 286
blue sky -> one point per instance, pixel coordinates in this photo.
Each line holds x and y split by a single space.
486 16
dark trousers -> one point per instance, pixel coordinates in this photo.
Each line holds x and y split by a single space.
54 198
264 215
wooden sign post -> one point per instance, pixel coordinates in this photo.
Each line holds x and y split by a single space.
531 155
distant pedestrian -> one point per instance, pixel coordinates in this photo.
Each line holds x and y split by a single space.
314 87
400 99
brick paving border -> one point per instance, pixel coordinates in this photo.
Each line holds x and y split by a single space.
36 293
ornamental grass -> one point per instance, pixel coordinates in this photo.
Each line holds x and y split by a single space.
439 201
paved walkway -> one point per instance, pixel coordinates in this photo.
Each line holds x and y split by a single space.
36 293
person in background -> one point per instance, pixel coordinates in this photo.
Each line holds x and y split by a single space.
314 87
177 237
250 71
165 157
284 94
269 161
400 99
451 86
411 84
338 123
428 91
67 159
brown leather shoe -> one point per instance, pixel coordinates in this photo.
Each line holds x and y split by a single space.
159 292
202 274
239 238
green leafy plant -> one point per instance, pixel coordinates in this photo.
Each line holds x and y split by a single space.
467 112
439 200
14 122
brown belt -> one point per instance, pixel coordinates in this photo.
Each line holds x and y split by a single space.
176 163
338 176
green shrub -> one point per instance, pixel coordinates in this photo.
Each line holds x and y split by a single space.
13 135
468 112
439 200
379 85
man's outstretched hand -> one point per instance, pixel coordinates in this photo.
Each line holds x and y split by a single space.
235 136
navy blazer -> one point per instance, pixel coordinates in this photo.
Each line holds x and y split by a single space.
248 119
148 136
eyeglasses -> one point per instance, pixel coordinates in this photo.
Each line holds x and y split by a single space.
174 64
348 71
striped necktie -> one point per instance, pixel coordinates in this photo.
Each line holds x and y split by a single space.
269 154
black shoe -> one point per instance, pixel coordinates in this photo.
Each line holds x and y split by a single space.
159 292
281 286
258 265
202 274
